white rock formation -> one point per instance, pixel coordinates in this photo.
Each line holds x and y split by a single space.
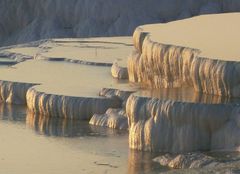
68 107
119 72
74 93
14 92
155 64
120 94
113 118
27 20
169 126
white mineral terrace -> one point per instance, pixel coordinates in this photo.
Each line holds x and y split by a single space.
216 36
71 78
99 50
176 126
202 55
201 52
66 86
62 78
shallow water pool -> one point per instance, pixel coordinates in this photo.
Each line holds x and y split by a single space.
33 144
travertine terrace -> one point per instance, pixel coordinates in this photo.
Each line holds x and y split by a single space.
84 69
186 102
202 54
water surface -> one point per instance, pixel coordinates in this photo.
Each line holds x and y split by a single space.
35 144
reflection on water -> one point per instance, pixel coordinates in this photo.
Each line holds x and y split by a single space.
141 162
56 126
187 95
88 149
52 126
100 148
12 112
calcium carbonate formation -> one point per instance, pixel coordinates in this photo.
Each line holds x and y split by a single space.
55 105
14 92
113 118
66 106
119 72
154 124
157 65
166 125
170 126
116 93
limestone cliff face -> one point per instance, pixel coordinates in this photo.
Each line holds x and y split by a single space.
169 126
27 20
156 65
